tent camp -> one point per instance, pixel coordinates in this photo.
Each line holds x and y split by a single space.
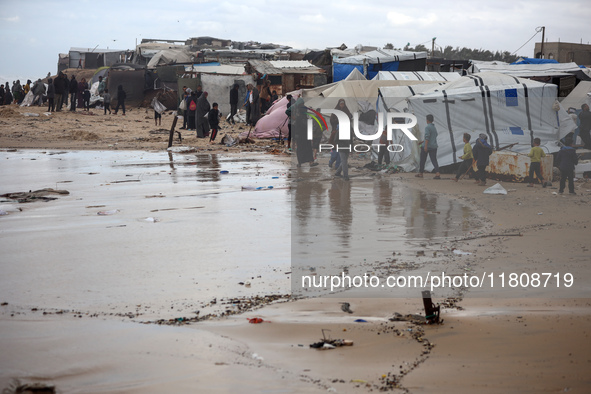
360 95
370 63
417 76
508 110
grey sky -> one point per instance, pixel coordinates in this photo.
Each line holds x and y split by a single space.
34 32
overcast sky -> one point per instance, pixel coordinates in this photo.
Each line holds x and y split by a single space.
34 32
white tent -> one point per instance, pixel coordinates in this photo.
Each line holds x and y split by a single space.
507 109
417 76
525 70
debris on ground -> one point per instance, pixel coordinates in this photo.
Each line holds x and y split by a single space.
37 195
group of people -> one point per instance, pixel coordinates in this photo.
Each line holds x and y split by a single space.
57 93
198 114
566 159
15 93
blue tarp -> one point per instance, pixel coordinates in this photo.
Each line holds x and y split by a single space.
530 60
341 71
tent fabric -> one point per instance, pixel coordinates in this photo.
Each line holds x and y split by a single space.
381 56
529 60
218 88
580 95
505 108
417 76
376 61
526 70
169 56
355 75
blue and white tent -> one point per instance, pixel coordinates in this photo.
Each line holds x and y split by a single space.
370 63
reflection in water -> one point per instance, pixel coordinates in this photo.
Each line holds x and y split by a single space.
340 210
212 165
339 224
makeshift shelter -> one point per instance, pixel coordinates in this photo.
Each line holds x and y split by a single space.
133 79
168 57
370 63
359 94
286 75
416 76
94 57
508 110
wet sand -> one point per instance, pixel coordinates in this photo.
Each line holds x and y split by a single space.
501 340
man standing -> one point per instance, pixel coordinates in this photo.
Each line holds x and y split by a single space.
233 103
429 148
59 86
73 89
585 126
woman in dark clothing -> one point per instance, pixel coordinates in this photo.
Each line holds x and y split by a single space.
201 121
304 151
120 99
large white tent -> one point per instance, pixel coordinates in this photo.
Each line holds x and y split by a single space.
507 109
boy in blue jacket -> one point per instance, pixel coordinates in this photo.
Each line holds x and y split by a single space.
566 160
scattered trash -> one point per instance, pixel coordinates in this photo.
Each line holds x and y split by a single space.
253 209
36 195
224 172
30 114
420 253
360 321
358 381
460 252
151 220
257 320
106 213
540 213
495 189
346 307
327 343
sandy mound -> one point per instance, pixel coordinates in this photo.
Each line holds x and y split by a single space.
83 135
8 112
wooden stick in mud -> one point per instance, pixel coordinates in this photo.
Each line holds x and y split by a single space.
171 136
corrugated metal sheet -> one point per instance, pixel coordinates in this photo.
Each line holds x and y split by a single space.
266 67
291 64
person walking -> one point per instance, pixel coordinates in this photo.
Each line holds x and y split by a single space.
233 103
429 148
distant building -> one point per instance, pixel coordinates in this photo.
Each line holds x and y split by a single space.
208 41
90 58
564 52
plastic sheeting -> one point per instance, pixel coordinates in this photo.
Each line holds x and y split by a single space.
218 88
170 56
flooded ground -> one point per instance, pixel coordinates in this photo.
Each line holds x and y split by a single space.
144 236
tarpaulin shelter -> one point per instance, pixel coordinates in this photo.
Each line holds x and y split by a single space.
360 95
507 109
133 79
370 63
286 75
168 57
